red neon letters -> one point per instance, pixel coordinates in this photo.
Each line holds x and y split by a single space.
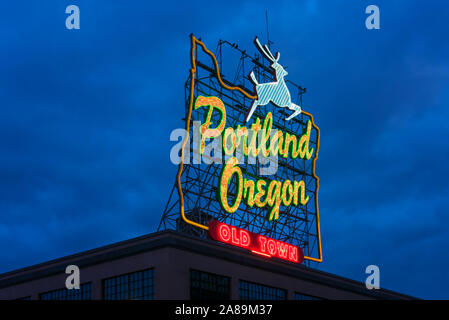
254 242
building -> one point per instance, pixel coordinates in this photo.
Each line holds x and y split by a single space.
172 265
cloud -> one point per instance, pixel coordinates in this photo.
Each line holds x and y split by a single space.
86 117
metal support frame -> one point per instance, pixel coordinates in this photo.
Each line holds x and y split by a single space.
296 224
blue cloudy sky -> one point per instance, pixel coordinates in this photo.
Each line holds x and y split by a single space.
86 115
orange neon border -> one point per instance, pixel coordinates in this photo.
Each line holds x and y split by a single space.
193 43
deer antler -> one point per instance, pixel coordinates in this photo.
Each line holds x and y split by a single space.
265 51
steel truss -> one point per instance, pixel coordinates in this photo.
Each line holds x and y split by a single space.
296 224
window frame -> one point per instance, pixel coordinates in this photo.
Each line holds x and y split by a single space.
63 293
143 292
227 292
259 290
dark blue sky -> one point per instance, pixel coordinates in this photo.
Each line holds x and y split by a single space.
86 115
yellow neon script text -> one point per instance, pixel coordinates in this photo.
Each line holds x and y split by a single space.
261 192
283 144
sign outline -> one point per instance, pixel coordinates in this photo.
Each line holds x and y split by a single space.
193 43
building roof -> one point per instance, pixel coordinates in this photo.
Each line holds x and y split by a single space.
185 242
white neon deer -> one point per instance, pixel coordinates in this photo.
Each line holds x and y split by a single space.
275 92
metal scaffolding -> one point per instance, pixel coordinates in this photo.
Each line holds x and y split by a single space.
296 224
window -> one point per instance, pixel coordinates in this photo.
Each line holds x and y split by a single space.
209 286
83 293
254 291
301 296
137 285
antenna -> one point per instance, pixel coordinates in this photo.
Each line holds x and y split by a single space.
268 34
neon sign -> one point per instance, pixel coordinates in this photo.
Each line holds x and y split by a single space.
274 193
236 189
256 243
275 92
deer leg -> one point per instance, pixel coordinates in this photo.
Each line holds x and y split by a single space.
297 110
253 108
